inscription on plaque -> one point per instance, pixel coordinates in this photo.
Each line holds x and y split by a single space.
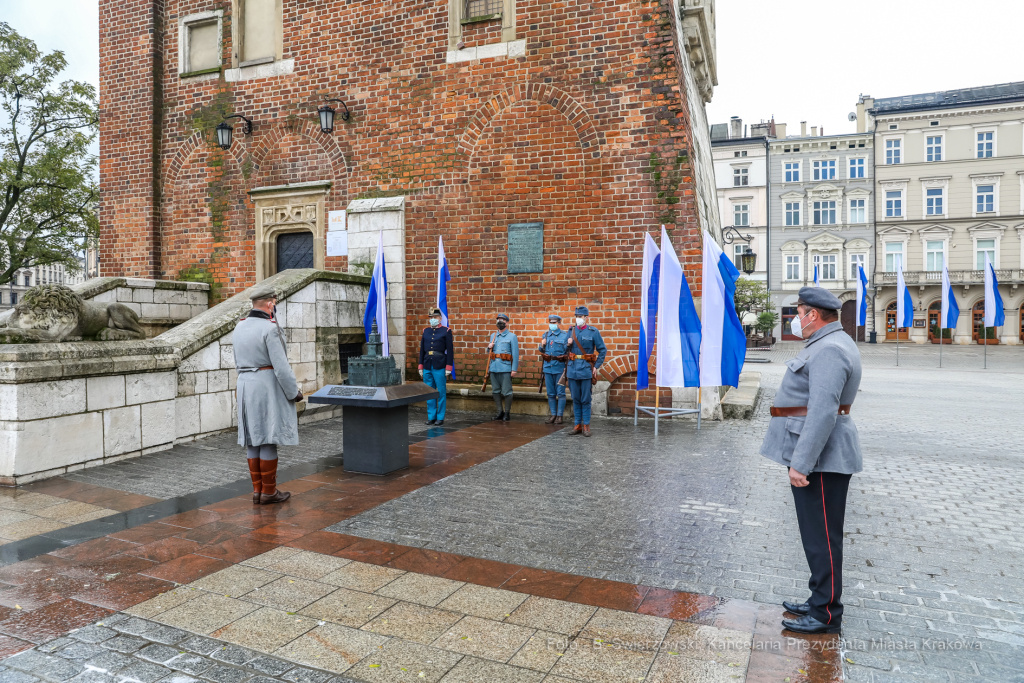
351 391
526 248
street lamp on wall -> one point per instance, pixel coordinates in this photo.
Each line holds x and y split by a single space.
225 130
326 113
748 259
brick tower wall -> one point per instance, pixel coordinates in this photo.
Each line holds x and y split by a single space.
587 132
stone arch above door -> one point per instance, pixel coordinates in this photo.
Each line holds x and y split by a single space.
285 209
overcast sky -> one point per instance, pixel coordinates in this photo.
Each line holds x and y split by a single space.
809 60
794 59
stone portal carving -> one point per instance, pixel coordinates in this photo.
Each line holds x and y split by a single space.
288 208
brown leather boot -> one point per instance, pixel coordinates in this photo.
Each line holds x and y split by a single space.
550 420
257 479
268 470
586 430
578 429
558 419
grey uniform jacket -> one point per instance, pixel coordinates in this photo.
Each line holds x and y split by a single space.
823 376
266 408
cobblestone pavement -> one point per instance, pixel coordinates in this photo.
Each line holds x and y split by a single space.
132 650
218 460
933 557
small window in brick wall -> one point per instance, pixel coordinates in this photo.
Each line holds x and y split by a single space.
482 8
346 351
203 46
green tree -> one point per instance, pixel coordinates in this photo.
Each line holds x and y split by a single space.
48 191
751 296
766 322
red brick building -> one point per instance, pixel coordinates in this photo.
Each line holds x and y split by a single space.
586 116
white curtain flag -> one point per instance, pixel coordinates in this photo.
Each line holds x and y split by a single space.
712 315
669 364
901 296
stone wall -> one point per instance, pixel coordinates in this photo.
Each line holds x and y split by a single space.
125 399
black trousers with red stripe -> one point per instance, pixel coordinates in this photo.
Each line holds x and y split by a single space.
820 512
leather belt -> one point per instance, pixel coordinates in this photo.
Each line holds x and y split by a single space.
265 367
801 411
557 358
431 353
589 357
503 356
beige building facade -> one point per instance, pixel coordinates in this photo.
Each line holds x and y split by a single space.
949 170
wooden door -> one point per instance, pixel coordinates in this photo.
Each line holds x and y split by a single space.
848 317
788 313
890 324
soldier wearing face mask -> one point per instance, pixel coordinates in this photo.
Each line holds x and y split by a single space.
586 354
437 357
552 349
504 363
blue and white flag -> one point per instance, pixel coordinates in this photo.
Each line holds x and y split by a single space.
443 277
723 346
669 363
994 315
377 301
904 304
650 276
862 298
950 311
816 275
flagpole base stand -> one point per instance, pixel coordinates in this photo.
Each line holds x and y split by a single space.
657 411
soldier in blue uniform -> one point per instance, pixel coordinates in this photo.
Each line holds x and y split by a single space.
504 363
437 357
586 355
553 347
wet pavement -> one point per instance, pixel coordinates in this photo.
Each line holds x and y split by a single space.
642 558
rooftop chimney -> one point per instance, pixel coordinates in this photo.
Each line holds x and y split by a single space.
735 127
780 129
803 129
814 131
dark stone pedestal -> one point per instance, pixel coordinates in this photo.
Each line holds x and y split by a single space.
375 433
376 440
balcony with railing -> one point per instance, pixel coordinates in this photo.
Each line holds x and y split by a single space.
1005 276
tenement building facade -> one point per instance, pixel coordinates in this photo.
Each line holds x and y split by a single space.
951 190
821 219
540 140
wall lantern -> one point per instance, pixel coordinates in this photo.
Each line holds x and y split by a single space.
327 116
225 130
748 259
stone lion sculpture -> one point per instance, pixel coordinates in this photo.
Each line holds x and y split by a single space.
53 313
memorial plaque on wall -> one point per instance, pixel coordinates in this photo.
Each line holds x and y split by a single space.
526 248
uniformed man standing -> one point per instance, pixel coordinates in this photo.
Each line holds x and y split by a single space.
437 357
586 355
553 347
504 359
266 394
812 433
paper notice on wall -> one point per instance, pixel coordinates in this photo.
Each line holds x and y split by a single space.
337 242
336 221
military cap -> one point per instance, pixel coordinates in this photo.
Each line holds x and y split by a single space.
817 297
435 311
502 316
554 316
582 311
263 292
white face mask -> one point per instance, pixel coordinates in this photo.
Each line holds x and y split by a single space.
434 322
797 326
580 322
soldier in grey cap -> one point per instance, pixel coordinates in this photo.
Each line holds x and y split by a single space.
812 434
503 359
266 394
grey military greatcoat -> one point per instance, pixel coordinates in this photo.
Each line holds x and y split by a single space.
823 376
266 408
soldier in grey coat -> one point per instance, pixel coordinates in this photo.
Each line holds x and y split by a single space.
812 433
266 395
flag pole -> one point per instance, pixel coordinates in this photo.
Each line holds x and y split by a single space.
942 342
698 407
984 335
636 404
657 403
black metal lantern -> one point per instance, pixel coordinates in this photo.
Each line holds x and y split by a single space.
748 259
326 113
225 130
